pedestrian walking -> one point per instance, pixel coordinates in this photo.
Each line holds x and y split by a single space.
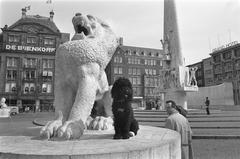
207 103
179 123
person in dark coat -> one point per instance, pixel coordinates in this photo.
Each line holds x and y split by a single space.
207 103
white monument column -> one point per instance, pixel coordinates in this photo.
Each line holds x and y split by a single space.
176 75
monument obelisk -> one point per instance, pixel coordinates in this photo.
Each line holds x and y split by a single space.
176 75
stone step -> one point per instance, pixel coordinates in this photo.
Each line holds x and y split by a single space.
193 119
215 125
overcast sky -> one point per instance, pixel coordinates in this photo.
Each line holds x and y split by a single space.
203 24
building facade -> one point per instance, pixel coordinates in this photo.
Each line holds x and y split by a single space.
226 67
142 66
222 66
208 72
27 61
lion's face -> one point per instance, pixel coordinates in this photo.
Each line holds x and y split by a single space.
88 26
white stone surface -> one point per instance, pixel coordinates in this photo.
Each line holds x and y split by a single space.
80 78
218 95
150 143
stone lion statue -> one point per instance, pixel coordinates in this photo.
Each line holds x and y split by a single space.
80 78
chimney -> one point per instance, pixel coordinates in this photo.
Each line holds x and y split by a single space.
51 15
24 10
120 41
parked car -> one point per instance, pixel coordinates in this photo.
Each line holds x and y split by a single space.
14 110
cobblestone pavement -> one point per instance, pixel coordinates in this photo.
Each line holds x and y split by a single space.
216 149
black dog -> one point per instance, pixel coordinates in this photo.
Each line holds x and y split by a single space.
124 121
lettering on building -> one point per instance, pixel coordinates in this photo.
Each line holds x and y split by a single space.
30 48
225 46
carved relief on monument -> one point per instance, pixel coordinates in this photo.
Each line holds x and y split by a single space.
166 48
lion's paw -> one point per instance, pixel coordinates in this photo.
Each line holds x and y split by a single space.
71 130
50 129
100 123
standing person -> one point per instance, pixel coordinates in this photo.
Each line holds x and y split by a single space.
179 123
207 103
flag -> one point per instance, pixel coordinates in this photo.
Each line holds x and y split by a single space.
49 1
28 7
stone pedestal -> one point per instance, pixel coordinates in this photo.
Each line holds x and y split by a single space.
150 143
5 112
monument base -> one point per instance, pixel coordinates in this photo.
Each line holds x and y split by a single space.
180 97
150 143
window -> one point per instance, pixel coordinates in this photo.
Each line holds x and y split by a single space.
118 70
46 88
229 66
237 53
10 87
217 58
227 55
150 71
29 88
14 38
237 64
31 40
154 72
11 75
134 71
146 62
49 41
146 71
139 80
47 75
30 62
138 71
118 59
130 71
12 61
160 63
29 74
47 63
